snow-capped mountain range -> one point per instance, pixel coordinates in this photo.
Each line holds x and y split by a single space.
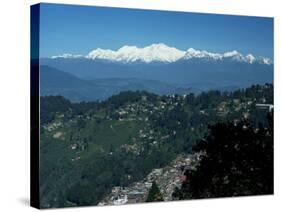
157 68
162 53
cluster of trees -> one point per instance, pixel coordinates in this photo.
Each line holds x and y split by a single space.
130 96
238 161
50 105
154 194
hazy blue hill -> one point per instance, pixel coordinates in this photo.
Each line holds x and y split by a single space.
56 82
197 73
134 84
215 73
89 69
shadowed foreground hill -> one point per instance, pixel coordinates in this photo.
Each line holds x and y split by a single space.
238 162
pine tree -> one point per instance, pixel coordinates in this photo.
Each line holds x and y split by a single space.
154 194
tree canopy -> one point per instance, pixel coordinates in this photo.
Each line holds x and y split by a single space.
237 161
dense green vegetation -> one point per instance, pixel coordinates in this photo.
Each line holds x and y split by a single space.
238 161
87 148
154 194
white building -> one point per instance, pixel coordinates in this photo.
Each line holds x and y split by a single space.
265 106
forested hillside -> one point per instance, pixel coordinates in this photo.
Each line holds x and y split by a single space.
88 148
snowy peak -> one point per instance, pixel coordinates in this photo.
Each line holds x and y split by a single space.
250 58
67 55
264 60
193 53
155 52
101 54
162 53
231 55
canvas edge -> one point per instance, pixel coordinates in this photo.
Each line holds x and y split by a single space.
34 106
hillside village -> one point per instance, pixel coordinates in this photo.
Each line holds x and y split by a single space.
136 128
145 112
167 178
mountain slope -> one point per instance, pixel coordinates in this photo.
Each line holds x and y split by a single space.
56 82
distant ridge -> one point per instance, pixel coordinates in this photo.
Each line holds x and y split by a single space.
162 53
56 82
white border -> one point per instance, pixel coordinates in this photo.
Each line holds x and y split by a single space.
14 115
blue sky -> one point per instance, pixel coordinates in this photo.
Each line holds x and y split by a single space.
80 29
